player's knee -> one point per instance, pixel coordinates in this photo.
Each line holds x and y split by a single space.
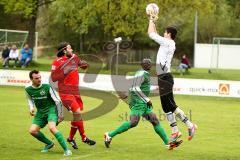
77 116
169 108
176 110
33 131
133 123
166 109
77 111
155 122
53 129
153 119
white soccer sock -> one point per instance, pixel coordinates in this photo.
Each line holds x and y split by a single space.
175 129
180 114
172 122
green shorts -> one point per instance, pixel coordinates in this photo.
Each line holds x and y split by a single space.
42 119
140 109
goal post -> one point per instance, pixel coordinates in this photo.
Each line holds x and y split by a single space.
18 38
225 53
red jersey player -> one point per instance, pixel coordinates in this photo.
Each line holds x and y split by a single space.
65 73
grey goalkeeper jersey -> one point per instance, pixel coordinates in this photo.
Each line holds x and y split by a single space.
165 53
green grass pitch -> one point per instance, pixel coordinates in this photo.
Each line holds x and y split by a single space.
217 136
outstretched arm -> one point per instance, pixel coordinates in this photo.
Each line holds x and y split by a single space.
152 32
151 27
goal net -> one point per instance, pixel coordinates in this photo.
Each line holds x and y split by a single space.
16 37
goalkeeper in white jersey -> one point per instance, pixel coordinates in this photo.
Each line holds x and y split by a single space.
165 78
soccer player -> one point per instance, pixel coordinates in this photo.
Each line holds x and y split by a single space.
46 102
165 78
141 105
65 73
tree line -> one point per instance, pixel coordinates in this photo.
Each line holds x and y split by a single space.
88 24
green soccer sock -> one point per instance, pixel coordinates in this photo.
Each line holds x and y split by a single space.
61 140
124 127
161 132
41 137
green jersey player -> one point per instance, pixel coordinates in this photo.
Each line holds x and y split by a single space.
140 105
47 103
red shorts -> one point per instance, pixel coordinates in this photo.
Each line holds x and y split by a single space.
72 102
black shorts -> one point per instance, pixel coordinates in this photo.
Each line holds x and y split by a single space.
165 83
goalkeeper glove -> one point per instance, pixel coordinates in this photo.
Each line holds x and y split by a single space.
153 16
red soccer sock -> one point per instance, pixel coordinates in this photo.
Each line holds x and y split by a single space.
81 129
73 130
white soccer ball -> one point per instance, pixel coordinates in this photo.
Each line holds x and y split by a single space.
152 7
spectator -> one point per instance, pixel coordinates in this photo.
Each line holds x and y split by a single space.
5 55
26 56
13 55
184 65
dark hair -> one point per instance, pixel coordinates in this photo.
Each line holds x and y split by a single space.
146 63
173 31
61 48
33 72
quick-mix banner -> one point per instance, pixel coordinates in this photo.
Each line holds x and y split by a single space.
198 87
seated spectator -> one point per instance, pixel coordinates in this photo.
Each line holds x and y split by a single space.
26 56
5 55
184 65
13 55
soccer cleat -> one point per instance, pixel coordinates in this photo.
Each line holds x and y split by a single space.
107 140
174 144
89 141
192 131
47 147
73 143
167 146
174 136
67 152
